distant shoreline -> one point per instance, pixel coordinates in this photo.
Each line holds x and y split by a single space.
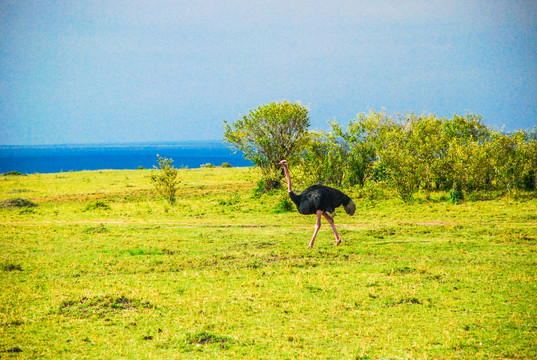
118 144
30 159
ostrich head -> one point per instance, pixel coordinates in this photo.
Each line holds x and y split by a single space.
283 162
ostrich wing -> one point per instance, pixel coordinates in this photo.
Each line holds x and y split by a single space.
310 202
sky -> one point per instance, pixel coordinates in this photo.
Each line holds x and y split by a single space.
111 71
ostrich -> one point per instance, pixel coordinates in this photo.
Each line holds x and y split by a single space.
319 200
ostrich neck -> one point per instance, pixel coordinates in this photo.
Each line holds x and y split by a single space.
289 189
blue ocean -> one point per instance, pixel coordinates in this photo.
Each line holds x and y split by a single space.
63 158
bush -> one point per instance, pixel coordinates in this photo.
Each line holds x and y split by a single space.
531 154
360 149
469 166
456 195
396 149
98 205
204 337
372 190
460 155
339 157
283 206
510 159
466 155
165 180
410 152
10 266
17 203
323 160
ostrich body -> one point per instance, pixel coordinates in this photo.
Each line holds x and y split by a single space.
320 200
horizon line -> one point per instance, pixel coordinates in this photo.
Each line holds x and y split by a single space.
112 144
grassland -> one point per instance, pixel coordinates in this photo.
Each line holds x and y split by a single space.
103 269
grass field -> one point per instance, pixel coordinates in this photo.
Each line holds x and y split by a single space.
103 269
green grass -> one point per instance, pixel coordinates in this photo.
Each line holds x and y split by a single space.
103 269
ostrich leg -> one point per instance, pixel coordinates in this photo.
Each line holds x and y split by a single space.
317 227
331 221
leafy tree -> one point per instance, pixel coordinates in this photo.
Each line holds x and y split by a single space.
269 134
165 180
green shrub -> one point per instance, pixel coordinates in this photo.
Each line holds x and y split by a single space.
283 206
372 190
98 229
456 195
360 149
231 199
165 179
510 159
97 205
9 266
323 160
17 203
204 337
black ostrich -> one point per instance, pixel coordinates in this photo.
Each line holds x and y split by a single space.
319 200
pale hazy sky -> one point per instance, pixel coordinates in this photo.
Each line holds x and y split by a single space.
144 71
